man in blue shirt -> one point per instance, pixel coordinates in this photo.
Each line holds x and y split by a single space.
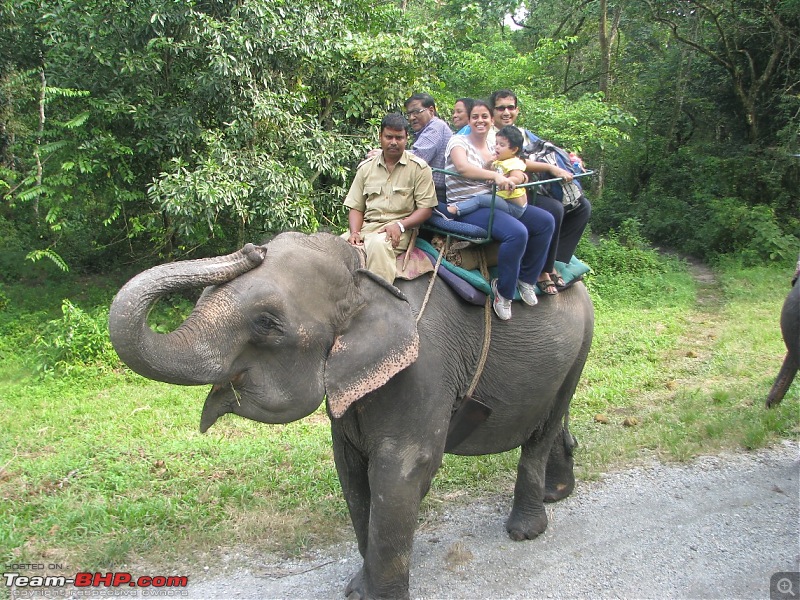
431 135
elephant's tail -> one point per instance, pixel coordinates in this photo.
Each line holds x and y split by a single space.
782 382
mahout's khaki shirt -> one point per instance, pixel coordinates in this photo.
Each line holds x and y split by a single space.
385 197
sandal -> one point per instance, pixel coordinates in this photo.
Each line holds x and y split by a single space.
557 280
546 286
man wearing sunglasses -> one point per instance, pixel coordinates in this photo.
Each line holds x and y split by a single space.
570 223
431 135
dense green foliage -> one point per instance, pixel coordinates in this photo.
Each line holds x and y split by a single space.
170 126
151 130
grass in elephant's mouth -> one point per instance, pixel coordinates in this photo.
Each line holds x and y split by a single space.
109 469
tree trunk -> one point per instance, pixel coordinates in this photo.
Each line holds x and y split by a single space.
606 39
730 47
605 53
683 78
39 136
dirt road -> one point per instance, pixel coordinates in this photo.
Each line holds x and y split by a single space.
719 527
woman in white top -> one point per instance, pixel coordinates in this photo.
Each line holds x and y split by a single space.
523 241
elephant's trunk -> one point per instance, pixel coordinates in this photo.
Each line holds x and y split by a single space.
186 356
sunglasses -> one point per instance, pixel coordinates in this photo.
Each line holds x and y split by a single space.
411 113
505 108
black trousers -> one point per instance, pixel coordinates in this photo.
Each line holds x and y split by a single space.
569 228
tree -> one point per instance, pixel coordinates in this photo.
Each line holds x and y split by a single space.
201 124
754 41
606 35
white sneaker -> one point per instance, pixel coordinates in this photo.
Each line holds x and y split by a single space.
502 306
527 292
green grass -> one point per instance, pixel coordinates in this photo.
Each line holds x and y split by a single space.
118 464
100 467
694 375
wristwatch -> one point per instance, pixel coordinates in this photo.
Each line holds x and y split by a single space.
400 225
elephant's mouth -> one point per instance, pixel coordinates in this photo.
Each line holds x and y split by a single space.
261 394
231 385
221 400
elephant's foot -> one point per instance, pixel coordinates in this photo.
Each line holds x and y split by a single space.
559 478
355 589
526 526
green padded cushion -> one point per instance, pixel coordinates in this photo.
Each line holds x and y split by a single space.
570 272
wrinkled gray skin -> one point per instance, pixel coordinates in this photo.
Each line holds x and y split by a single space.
284 325
790 327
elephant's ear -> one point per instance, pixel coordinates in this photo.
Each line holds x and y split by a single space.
378 342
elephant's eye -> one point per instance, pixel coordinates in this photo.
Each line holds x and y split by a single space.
264 325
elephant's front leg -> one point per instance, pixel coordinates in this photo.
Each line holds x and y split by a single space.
399 476
351 466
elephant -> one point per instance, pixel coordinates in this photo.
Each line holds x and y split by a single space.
790 328
284 325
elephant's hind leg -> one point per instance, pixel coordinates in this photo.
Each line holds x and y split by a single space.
528 517
545 462
559 479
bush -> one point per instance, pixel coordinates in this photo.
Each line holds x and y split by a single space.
623 251
751 233
707 205
624 267
76 342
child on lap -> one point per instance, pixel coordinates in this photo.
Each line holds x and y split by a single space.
508 145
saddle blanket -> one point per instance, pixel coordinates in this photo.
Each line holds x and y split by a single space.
469 283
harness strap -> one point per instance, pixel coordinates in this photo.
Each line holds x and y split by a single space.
411 244
439 259
487 310
487 326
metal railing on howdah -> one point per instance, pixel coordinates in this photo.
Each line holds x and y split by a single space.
441 224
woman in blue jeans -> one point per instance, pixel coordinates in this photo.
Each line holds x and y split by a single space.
524 240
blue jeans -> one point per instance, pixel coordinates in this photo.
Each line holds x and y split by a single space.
524 243
470 205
